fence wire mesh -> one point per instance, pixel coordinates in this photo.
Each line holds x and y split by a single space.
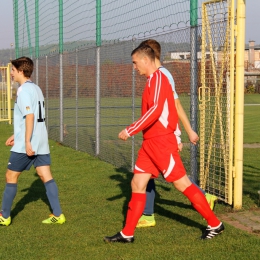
61 37
39 22
121 90
216 117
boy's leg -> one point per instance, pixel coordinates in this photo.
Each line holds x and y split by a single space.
150 196
200 203
147 219
197 199
134 212
137 202
52 194
210 198
8 196
135 209
18 162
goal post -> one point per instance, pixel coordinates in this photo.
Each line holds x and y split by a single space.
5 94
239 108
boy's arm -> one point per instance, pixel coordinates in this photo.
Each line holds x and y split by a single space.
29 123
186 123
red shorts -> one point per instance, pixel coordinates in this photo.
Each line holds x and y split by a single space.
160 155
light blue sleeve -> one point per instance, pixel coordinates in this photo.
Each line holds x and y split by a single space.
170 78
24 101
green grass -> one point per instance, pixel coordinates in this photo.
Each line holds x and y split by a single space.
252 124
94 197
252 99
252 118
251 173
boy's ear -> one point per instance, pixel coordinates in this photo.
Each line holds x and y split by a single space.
145 58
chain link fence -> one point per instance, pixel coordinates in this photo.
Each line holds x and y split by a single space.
217 100
120 95
45 27
81 51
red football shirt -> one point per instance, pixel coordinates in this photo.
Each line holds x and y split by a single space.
159 115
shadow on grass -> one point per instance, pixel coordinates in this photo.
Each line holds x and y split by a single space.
252 167
35 192
251 183
125 186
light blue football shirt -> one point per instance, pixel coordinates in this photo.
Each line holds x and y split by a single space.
30 100
170 78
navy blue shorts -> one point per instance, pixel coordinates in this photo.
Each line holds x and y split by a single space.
19 162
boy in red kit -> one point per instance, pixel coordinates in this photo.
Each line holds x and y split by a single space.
159 151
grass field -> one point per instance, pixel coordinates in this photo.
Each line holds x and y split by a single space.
94 197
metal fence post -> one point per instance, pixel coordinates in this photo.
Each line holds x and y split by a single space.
61 67
133 112
61 99
98 44
37 28
28 28
16 28
77 99
47 95
97 100
193 86
37 71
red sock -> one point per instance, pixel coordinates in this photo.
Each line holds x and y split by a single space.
200 203
134 212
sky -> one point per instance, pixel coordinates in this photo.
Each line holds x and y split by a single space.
7 24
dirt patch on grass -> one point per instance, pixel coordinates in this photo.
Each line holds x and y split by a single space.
254 145
245 220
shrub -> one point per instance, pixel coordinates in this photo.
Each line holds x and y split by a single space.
250 89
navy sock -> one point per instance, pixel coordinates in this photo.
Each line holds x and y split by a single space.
150 196
197 186
52 194
8 197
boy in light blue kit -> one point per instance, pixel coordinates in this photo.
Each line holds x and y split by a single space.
29 143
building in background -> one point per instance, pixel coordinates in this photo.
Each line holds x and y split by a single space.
252 68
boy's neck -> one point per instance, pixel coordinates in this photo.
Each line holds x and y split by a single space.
157 63
23 80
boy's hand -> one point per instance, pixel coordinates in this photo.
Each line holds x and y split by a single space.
123 135
194 138
28 148
180 146
10 141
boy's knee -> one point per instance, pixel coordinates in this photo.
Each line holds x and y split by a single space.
138 187
11 176
182 184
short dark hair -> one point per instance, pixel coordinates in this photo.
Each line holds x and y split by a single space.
25 65
145 50
154 45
